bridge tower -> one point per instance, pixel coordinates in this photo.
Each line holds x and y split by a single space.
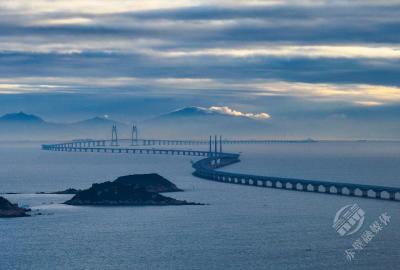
114 136
215 145
220 144
134 140
210 144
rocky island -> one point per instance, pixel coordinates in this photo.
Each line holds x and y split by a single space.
151 182
137 189
116 193
67 191
8 209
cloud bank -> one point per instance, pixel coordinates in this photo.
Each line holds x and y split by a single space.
228 111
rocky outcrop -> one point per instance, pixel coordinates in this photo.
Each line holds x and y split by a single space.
116 193
151 182
67 191
8 209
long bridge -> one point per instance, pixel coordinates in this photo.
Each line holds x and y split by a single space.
161 142
215 158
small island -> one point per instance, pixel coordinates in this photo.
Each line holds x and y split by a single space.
9 210
117 194
132 190
151 182
67 191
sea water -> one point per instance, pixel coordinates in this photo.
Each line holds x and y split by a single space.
241 227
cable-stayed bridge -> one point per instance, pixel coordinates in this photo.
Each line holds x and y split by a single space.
214 158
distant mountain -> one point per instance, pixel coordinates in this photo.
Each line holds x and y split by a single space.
213 112
188 112
21 117
22 126
188 122
97 121
201 122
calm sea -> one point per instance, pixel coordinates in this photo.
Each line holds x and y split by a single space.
240 228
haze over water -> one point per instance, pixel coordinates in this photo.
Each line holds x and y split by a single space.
240 228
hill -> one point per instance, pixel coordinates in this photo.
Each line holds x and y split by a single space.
7 209
151 182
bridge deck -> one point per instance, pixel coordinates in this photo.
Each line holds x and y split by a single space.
149 142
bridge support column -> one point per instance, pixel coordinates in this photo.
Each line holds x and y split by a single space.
264 183
364 193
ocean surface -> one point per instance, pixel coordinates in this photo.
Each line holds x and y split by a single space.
241 227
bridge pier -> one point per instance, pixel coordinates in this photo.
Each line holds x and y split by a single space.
364 192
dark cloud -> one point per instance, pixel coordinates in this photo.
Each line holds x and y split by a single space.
282 12
287 23
296 69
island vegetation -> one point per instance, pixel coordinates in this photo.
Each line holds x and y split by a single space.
152 182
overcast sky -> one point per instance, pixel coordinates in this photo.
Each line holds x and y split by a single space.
317 62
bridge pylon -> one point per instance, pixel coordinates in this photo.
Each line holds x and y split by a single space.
215 150
134 138
220 144
215 145
114 136
210 144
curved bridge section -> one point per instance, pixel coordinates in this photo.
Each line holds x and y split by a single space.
206 168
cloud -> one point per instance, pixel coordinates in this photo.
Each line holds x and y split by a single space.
306 41
64 21
360 94
97 64
369 103
228 111
357 94
325 53
315 51
183 25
